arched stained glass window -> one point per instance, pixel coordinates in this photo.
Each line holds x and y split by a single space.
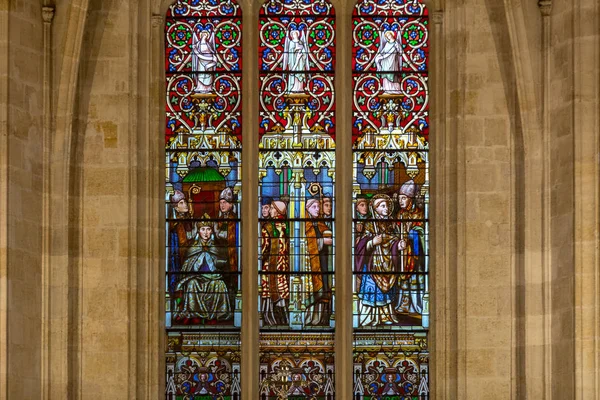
297 199
391 199
203 188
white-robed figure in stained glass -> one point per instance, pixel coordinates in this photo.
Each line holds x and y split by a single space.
389 61
204 58
295 58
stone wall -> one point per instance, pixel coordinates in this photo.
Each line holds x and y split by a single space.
515 136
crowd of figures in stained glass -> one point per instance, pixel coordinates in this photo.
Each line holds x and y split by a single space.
391 199
202 199
296 164
297 199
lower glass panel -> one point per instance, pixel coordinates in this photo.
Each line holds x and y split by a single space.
391 366
203 366
296 366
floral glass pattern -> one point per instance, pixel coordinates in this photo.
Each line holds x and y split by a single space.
203 192
391 199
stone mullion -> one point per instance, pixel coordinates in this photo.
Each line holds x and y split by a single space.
249 207
587 194
438 207
546 9
155 294
343 201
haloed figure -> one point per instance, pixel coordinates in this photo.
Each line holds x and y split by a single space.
204 292
295 58
318 241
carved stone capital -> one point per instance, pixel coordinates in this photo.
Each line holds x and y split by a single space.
47 14
157 21
545 7
437 17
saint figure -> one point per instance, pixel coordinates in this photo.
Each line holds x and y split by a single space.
378 260
389 62
275 266
205 294
412 285
318 241
204 59
295 59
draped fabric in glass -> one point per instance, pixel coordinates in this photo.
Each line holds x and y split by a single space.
391 199
202 199
297 199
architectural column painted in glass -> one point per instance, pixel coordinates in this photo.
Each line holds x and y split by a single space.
297 199
202 199
391 199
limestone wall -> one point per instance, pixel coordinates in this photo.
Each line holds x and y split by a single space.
22 193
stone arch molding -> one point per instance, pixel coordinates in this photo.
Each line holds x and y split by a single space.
60 360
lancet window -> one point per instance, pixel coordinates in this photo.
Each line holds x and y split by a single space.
391 199
297 199
202 199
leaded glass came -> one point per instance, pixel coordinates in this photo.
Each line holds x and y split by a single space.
297 199
203 193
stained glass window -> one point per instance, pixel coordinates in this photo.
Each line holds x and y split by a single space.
297 199
391 199
203 192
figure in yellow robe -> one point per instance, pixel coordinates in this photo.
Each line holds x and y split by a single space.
318 242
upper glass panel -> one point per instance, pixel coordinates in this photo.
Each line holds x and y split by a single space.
203 73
